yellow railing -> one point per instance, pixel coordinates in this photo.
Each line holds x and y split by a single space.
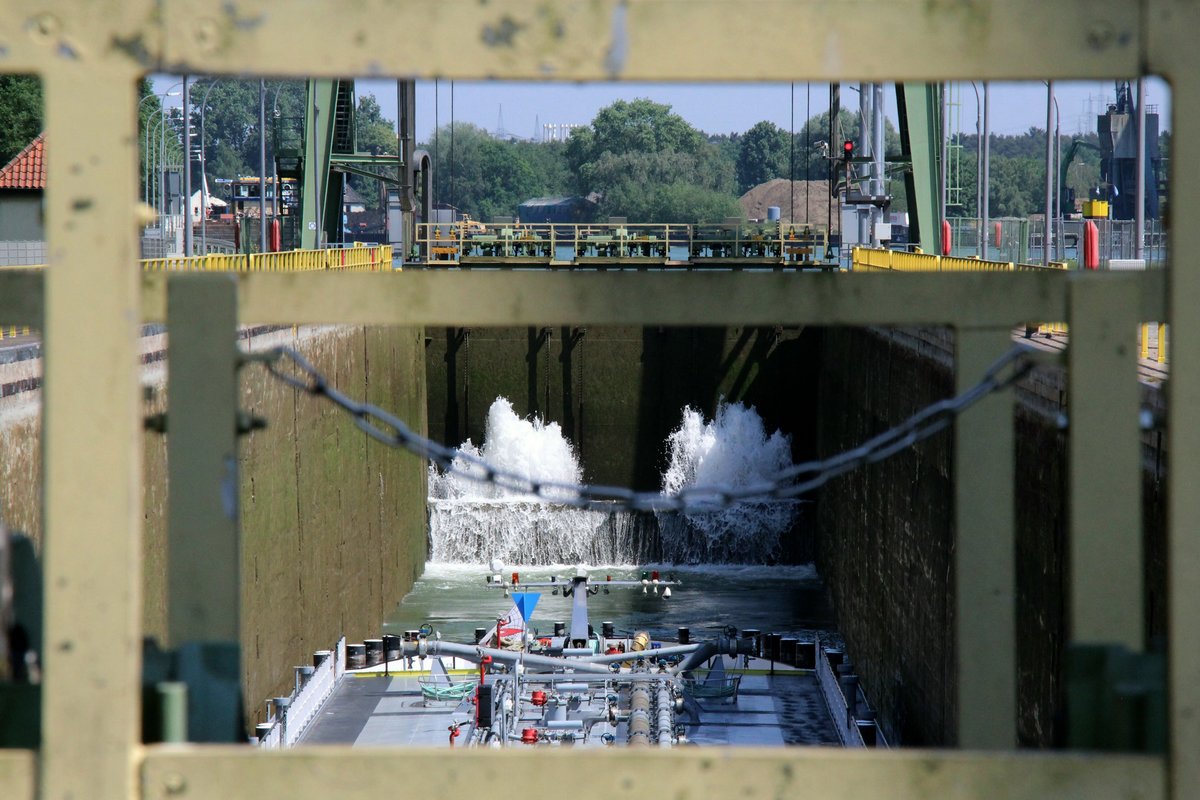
359 258
870 259
1159 337
13 331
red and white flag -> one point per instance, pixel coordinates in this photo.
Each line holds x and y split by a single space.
512 630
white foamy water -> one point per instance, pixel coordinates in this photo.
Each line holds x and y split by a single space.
472 522
732 450
528 448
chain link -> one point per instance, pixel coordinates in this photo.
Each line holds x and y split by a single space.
294 370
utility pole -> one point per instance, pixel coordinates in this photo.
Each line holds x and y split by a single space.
1047 234
987 168
1139 213
262 166
187 170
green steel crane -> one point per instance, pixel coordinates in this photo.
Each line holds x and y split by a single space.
319 150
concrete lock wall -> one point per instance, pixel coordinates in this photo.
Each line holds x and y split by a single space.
619 392
333 524
886 543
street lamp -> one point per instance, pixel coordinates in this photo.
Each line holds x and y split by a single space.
146 139
978 167
278 194
204 173
162 143
155 160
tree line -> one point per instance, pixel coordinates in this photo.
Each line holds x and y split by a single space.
638 159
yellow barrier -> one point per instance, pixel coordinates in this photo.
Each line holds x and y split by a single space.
869 259
1160 341
360 258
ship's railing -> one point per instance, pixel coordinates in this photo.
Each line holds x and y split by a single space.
290 716
853 719
566 244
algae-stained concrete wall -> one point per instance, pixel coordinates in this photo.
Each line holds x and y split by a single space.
333 523
618 392
886 536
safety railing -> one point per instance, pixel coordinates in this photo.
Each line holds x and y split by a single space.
1152 345
870 259
565 244
853 719
290 716
13 331
359 258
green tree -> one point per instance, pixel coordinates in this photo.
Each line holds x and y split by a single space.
764 153
21 112
641 158
376 135
548 161
638 126
482 176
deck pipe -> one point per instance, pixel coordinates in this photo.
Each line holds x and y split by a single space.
534 679
639 716
722 646
474 654
666 722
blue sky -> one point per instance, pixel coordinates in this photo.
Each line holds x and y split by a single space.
725 108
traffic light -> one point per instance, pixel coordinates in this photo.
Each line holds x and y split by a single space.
847 150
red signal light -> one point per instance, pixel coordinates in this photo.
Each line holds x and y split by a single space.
848 148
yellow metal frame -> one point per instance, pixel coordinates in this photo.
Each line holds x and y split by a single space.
90 54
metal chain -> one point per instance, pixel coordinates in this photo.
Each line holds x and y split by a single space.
294 370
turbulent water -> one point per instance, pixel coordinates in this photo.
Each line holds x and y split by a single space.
455 599
733 450
472 522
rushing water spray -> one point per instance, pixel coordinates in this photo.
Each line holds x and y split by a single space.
532 449
472 522
732 450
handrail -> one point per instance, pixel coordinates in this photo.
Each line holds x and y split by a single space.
358 258
566 244
872 259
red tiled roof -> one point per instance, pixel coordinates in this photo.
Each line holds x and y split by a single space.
27 170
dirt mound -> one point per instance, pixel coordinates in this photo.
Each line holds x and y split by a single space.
809 198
